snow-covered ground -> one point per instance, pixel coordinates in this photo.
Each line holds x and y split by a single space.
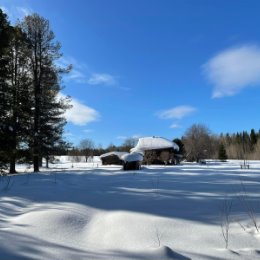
87 211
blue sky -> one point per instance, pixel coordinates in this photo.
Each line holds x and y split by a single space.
144 67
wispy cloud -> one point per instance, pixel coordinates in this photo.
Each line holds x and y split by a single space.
16 12
233 70
101 79
82 74
5 10
174 126
78 71
23 11
80 114
67 134
123 137
176 112
87 131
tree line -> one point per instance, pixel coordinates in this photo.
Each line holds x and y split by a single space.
197 143
201 143
31 110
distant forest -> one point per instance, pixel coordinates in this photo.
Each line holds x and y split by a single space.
197 143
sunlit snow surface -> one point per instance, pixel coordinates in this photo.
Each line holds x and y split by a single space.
87 211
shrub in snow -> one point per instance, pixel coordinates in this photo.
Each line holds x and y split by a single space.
225 210
250 210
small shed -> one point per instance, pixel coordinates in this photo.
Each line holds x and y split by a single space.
132 161
157 150
112 158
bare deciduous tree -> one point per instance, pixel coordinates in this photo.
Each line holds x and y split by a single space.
87 146
129 143
197 141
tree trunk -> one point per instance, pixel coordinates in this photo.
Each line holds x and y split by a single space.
47 161
13 152
12 164
40 161
35 163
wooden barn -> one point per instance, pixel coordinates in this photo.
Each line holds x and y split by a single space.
112 158
157 150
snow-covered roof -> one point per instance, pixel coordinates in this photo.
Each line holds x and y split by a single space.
152 143
133 150
119 154
132 157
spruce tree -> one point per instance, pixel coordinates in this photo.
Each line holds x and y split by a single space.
222 155
253 137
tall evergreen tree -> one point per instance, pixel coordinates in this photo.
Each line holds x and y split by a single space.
4 104
47 107
181 146
253 137
19 82
222 155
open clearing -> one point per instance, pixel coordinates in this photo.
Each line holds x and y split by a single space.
160 212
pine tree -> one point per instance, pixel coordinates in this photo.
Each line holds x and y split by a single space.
47 107
253 137
222 155
19 81
181 146
4 108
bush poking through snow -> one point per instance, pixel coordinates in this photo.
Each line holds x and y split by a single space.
225 210
250 210
158 236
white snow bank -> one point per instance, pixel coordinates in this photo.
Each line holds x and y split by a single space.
94 159
68 158
151 143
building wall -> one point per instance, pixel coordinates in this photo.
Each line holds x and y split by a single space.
112 159
159 156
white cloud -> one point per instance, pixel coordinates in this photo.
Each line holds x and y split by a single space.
23 11
87 131
67 134
174 126
16 12
121 137
101 79
81 73
76 75
176 112
80 114
233 70
78 71
5 10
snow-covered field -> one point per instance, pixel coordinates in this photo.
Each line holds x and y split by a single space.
94 212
